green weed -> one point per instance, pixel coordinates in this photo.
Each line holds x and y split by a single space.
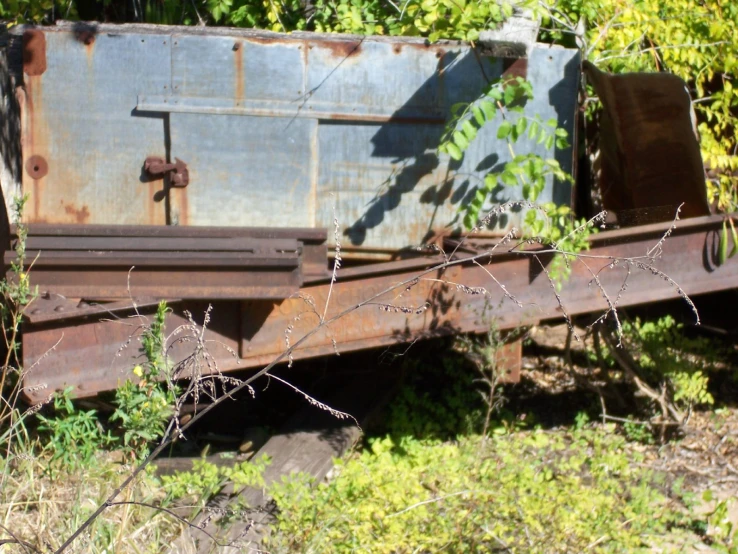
145 407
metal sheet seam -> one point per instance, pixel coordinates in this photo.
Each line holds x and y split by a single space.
314 174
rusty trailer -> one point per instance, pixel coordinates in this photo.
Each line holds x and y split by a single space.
208 166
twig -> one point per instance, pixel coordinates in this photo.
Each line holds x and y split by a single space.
628 365
171 513
336 262
173 431
27 547
430 501
338 414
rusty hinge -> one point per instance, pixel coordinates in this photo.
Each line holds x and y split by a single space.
179 176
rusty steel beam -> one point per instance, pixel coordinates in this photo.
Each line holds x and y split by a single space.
313 242
87 351
96 261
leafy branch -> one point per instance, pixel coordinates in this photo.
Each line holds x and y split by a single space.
501 103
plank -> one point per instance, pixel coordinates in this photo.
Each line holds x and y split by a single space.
307 443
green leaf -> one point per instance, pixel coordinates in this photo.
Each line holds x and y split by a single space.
469 220
495 93
489 109
503 131
469 130
478 115
734 251
561 143
508 178
521 126
723 249
549 142
460 140
457 108
454 151
561 133
510 94
533 129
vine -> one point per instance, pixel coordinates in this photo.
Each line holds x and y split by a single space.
547 224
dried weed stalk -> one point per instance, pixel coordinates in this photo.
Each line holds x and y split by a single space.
204 378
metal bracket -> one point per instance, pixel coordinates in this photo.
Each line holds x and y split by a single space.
179 175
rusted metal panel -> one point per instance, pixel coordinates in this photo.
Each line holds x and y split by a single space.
83 142
34 52
650 154
391 189
255 330
51 307
263 178
92 354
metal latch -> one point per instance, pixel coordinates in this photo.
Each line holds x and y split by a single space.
179 175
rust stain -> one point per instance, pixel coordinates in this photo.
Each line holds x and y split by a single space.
238 67
81 215
36 197
86 34
515 68
270 41
34 52
429 120
397 48
343 48
418 45
33 140
182 202
37 167
152 209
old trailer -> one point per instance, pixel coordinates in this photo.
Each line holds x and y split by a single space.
223 167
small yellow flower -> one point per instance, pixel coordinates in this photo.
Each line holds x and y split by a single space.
138 371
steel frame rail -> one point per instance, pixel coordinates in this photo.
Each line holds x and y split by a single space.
95 348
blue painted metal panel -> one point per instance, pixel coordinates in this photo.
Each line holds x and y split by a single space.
244 171
391 188
276 130
379 107
79 116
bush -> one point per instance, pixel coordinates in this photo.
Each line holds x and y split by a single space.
530 492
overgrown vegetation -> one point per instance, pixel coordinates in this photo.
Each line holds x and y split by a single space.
448 468
57 462
667 357
426 480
